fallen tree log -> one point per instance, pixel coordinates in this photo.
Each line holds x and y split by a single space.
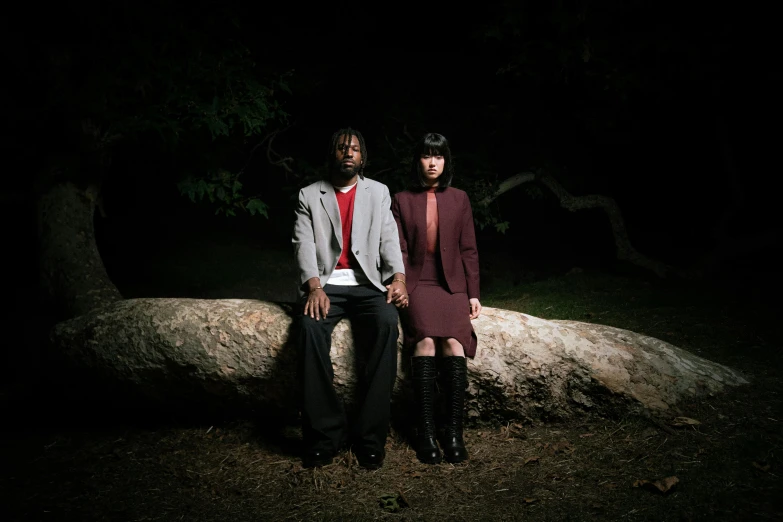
239 354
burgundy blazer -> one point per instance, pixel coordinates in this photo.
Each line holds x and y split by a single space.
456 234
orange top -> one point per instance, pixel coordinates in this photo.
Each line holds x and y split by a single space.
432 221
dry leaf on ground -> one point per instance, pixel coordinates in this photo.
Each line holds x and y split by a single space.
763 466
560 447
663 485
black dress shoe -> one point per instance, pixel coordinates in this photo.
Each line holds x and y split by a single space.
315 458
370 459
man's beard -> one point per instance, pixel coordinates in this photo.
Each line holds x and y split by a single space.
345 172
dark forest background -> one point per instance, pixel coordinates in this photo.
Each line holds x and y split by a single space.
190 128
659 106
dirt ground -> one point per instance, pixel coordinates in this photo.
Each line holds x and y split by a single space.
727 467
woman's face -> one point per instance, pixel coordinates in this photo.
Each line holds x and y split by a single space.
431 166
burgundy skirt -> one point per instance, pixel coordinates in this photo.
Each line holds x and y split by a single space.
433 311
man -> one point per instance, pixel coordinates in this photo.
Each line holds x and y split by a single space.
350 265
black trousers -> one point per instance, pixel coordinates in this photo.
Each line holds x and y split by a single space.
374 322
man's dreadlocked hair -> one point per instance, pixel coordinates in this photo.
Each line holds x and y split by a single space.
362 147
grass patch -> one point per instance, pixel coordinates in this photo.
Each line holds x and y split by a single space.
704 319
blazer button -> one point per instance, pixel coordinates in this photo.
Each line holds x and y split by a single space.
357 252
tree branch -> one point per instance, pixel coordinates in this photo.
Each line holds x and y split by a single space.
279 162
386 137
508 184
253 151
625 251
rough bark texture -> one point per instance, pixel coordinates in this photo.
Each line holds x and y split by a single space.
72 274
240 354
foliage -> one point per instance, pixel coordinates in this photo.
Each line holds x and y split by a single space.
192 83
224 191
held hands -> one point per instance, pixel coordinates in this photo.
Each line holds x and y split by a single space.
397 293
475 308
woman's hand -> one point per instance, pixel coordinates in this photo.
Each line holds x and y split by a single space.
475 308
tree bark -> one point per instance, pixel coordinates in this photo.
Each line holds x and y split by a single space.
72 275
238 355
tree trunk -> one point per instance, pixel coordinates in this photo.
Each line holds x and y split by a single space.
238 355
72 276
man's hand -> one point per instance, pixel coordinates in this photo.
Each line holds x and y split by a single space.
397 293
317 304
475 308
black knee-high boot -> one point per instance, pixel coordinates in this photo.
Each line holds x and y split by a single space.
424 375
455 377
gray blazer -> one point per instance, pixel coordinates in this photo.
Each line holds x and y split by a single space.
318 237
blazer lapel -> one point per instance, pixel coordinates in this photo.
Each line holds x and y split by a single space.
360 231
329 202
446 219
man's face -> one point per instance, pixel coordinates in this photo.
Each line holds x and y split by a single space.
348 157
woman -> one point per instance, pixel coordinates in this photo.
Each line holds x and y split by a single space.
438 242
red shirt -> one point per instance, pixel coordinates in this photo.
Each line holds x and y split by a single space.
345 202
